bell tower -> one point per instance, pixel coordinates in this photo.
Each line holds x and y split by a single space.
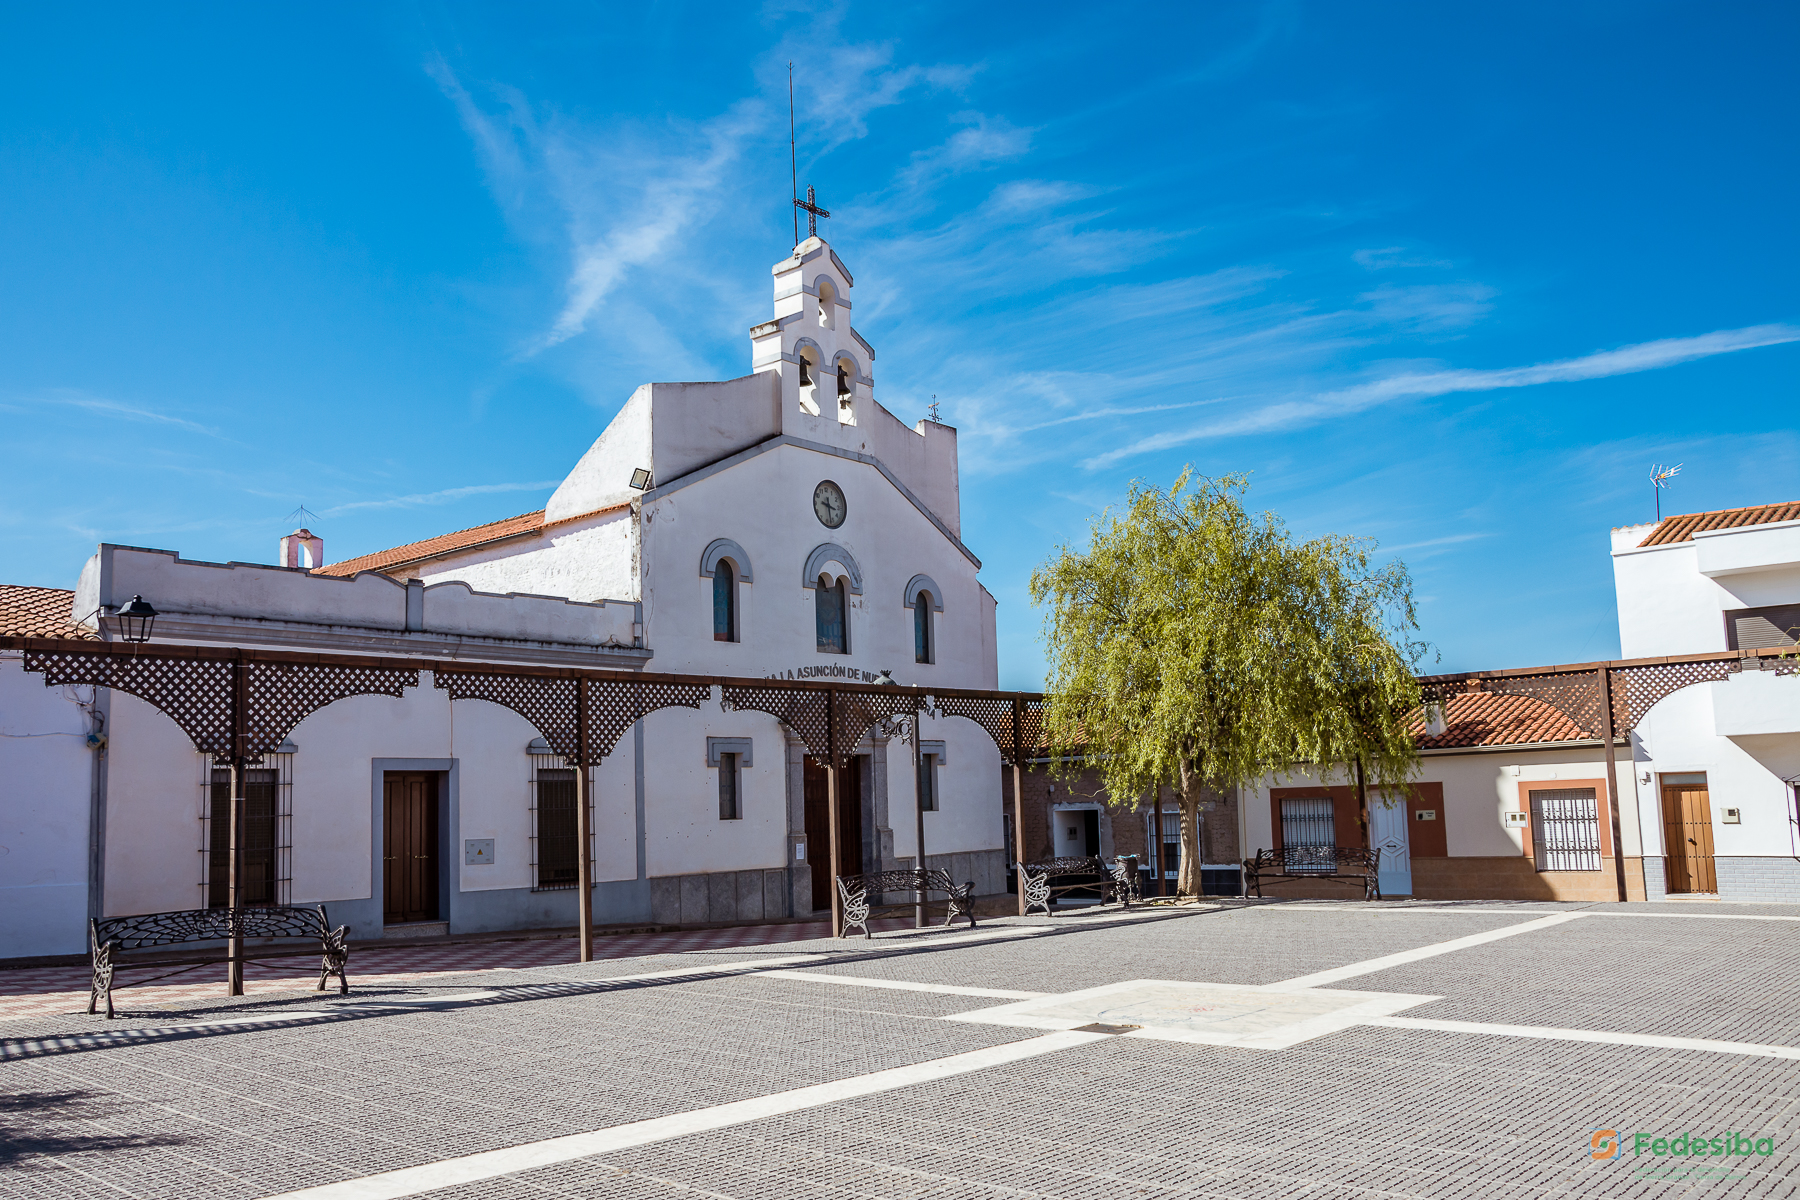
827 371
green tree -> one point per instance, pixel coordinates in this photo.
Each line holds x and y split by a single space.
1197 645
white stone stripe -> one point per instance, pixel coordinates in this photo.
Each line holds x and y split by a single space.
1528 912
897 984
1369 967
410 1181
1601 1036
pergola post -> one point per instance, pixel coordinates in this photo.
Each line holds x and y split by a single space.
584 803
1612 775
1018 790
918 732
234 878
831 811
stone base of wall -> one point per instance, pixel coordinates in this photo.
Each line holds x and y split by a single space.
986 868
1751 880
743 897
1655 887
1511 877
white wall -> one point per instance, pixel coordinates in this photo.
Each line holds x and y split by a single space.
683 831
1668 605
590 558
46 778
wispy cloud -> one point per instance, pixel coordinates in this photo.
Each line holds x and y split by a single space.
446 496
1387 258
1455 539
70 398
1646 356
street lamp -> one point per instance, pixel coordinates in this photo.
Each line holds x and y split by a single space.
135 620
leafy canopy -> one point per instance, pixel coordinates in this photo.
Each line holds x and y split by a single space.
1191 631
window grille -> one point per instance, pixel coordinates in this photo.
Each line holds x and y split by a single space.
1565 829
554 863
728 787
267 835
928 793
1309 836
1171 840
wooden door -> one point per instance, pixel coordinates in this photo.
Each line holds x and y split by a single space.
409 842
1687 837
818 825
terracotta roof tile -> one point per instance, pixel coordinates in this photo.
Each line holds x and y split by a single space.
1486 719
462 539
1683 528
40 612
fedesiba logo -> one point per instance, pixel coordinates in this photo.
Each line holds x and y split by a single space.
1607 1145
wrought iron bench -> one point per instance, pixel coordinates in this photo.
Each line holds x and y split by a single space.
1291 864
109 937
1120 880
855 891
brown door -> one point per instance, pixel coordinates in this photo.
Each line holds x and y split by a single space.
409 841
1687 835
818 827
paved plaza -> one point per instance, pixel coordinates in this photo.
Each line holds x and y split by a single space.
1232 1050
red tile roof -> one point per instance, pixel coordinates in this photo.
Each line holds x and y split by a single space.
40 612
1683 528
462 539
1486 719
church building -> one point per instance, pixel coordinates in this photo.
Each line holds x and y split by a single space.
782 524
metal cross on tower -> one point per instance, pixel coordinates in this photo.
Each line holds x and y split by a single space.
813 212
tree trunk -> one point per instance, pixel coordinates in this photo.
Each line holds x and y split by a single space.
1190 797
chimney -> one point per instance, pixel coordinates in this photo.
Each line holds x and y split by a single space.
302 549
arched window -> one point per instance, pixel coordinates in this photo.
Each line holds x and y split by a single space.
922 647
724 602
925 598
829 612
827 304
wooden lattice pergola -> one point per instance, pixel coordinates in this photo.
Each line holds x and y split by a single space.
237 705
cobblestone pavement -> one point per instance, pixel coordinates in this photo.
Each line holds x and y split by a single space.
39 991
1289 1050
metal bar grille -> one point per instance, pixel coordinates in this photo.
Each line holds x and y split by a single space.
553 838
1565 829
268 831
1171 839
1309 836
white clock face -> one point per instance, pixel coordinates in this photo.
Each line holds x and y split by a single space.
828 504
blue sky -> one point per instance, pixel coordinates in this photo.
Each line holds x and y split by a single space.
1452 277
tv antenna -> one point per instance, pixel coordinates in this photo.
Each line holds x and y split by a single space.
793 156
1659 479
299 515
935 419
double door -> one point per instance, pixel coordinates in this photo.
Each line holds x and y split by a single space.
1687 837
816 790
409 847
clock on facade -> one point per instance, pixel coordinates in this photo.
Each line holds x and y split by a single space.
828 504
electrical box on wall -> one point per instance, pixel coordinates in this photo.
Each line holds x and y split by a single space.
1731 817
1517 820
1425 814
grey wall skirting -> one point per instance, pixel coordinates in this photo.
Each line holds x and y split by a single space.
1760 880
743 896
985 868
1768 880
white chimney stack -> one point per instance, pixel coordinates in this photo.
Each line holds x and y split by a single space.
302 549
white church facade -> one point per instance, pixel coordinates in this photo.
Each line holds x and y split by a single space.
782 524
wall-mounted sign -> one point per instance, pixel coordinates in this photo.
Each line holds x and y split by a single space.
827 671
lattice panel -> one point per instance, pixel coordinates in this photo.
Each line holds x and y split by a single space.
1637 689
1576 695
801 710
614 707
548 703
194 692
990 712
858 712
283 694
